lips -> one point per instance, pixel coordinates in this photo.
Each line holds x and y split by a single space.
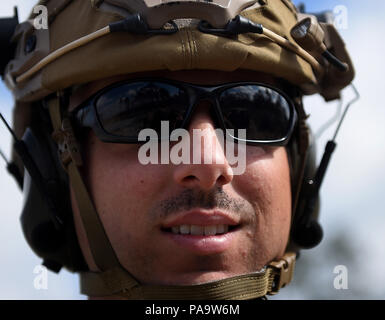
202 232
201 218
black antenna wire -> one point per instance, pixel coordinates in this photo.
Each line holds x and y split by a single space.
13 170
309 232
354 100
12 167
8 127
331 121
3 156
331 145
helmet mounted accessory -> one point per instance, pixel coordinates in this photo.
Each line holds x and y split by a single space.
310 36
298 57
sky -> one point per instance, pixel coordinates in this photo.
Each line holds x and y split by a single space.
353 197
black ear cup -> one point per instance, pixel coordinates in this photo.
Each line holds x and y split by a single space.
308 236
54 241
306 230
42 233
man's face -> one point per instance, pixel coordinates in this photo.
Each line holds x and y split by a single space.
140 205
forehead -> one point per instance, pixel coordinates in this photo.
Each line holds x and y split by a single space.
202 77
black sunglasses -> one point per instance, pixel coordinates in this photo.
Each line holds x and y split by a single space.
119 112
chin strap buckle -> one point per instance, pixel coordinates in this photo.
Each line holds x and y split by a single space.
63 135
67 145
283 271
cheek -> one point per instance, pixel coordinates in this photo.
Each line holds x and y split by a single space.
114 172
266 185
121 187
267 175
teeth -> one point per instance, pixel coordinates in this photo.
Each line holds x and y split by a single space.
210 230
221 228
200 230
184 229
197 230
175 229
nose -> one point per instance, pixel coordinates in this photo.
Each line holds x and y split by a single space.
209 167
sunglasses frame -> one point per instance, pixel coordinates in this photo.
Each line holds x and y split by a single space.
196 93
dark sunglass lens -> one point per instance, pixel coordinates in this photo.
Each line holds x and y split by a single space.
263 112
126 110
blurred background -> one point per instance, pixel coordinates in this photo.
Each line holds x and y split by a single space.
353 193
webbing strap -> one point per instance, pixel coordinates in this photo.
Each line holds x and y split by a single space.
248 286
242 287
100 246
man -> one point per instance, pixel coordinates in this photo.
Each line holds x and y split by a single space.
170 229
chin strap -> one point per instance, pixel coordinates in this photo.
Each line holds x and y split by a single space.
120 284
116 281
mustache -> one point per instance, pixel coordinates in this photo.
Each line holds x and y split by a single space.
192 198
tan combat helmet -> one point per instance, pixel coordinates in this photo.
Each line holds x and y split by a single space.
125 36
